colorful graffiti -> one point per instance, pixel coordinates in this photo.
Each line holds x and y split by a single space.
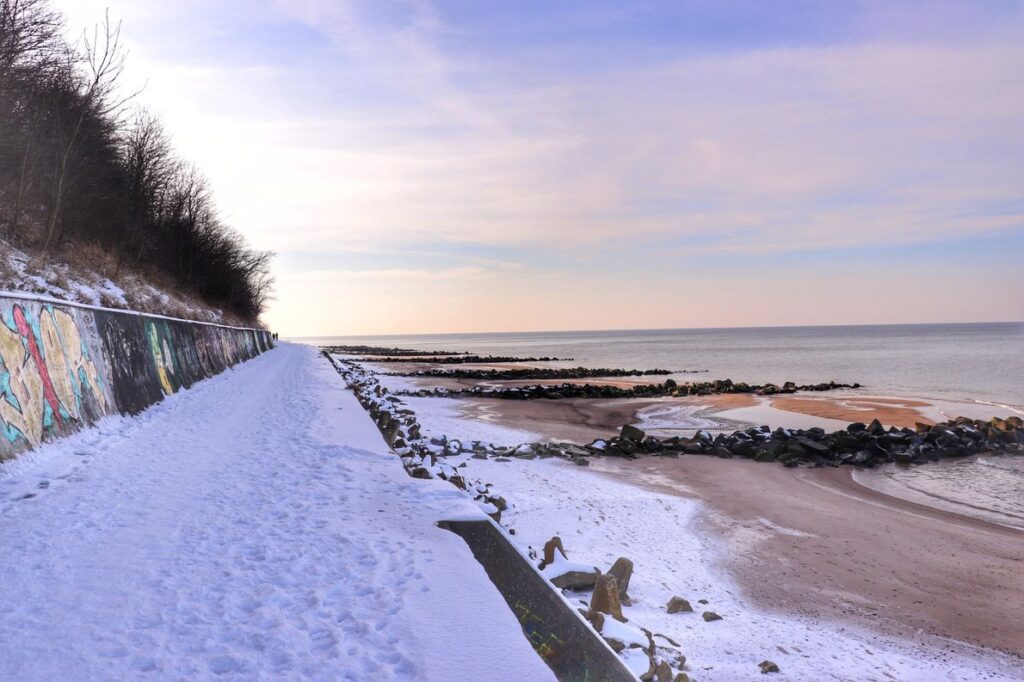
161 345
49 379
65 366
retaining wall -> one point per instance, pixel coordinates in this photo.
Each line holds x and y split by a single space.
65 365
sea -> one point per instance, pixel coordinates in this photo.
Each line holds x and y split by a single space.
978 365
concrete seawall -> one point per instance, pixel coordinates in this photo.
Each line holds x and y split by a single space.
64 365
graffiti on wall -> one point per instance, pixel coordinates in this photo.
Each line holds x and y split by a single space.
63 366
49 377
161 346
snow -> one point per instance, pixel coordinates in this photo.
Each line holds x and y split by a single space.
600 519
448 417
560 566
48 278
252 527
620 632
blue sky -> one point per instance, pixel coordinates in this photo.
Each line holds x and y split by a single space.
479 166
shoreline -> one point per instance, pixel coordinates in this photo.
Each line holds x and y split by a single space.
839 550
715 412
835 578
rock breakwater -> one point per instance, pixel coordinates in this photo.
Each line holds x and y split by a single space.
389 352
466 359
668 389
538 373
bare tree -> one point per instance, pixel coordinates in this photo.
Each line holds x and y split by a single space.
104 60
80 171
29 40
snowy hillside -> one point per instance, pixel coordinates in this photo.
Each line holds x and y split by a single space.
86 277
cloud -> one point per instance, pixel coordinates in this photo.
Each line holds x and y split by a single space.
563 138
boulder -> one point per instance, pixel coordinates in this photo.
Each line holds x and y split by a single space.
709 616
550 547
678 605
622 570
632 433
568 575
767 667
663 671
606 597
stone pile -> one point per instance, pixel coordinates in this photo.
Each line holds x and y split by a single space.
537 373
663 662
668 389
386 352
858 444
402 432
472 359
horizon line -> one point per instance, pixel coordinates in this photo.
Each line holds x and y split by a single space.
662 329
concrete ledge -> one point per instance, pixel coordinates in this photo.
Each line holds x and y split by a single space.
573 651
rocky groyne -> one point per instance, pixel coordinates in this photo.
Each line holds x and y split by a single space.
463 359
385 351
668 389
538 373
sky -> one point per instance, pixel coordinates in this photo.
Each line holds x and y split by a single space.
509 166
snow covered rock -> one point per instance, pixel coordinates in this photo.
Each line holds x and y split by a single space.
568 575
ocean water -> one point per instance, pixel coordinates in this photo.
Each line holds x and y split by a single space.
981 364
989 487
969 362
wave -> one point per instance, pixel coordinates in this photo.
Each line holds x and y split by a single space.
1012 408
1008 467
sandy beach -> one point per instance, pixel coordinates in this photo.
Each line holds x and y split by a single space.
807 564
814 542
586 419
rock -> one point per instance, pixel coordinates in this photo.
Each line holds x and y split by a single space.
576 579
709 616
681 677
632 433
596 619
767 667
550 546
606 597
622 569
678 605
663 671
670 383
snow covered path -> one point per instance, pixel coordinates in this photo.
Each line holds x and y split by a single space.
253 527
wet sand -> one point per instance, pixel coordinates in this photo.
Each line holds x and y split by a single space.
898 412
576 420
815 542
585 419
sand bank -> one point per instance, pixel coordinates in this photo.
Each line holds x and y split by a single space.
814 542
